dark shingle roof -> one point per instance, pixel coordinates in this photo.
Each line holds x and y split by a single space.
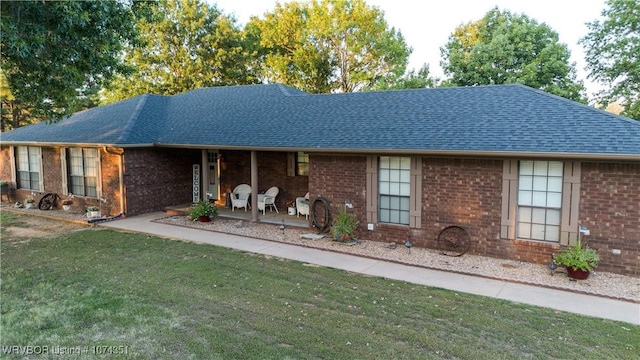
487 119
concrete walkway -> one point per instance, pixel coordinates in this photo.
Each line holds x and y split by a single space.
533 295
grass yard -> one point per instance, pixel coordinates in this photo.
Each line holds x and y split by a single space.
167 299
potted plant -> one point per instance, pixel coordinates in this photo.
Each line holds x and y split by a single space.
291 207
579 259
344 227
93 212
29 203
203 211
66 204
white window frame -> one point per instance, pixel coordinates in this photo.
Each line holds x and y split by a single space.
90 170
569 210
394 189
33 166
540 184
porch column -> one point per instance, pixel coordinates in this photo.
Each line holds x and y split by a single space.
254 186
205 174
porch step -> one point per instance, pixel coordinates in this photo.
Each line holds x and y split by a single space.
182 210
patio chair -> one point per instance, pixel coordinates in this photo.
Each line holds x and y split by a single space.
240 197
302 205
268 199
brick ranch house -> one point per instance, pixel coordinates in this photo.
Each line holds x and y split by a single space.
520 169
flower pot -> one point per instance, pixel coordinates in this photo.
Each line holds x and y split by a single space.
204 218
291 210
94 214
66 207
577 273
29 205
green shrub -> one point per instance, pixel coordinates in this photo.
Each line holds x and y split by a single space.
344 226
202 208
578 256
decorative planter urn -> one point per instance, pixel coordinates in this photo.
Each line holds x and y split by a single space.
204 218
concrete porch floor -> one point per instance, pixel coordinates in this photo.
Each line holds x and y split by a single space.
270 217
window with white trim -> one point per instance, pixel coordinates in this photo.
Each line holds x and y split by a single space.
394 189
302 163
28 167
539 200
83 171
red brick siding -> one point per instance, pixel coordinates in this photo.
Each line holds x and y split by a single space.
610 209
5 171
52 180
156 178
468 192
338 178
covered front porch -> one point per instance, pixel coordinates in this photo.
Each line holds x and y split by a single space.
270 217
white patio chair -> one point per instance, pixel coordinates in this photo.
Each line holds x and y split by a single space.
268 199
302 205
240 197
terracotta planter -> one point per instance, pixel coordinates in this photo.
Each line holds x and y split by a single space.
577 273
204 218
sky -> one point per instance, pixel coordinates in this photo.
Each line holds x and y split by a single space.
426 25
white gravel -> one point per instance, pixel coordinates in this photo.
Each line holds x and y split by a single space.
599 283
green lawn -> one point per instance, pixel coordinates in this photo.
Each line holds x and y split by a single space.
170 299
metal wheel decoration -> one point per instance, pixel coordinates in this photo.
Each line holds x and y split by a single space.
48 201
454 241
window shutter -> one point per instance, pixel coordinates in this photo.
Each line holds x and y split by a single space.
291 164
570 202
415 209
64 171
509 199
40 169
99 174
12 157
372 189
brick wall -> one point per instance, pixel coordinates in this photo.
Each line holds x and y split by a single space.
157 178
53 181
610 209
468 192
338 178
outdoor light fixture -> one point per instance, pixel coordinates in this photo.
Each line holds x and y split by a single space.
282 226
408 244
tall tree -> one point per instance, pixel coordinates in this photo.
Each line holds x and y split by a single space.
329 45
504 48
613 54
186 44
53 52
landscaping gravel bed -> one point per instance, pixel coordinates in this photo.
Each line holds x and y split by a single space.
599 283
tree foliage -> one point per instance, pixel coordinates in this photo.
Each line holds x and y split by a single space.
186 44
504 48
329 45
613 54
53 53
411 80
